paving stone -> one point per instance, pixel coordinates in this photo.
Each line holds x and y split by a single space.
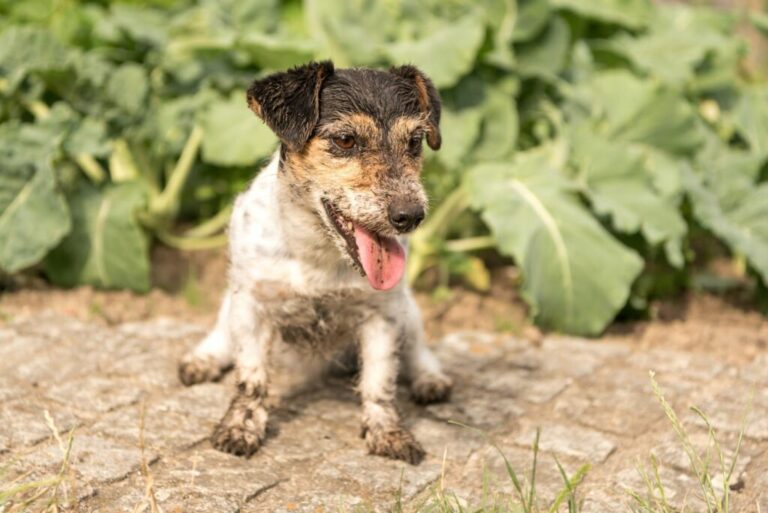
386 477
161 329
164 431
206 400
478 408
521 385
310 501
200 481
465 352
94 459
290 442
22 422
682 365
96 393
618 411
439 437
572 440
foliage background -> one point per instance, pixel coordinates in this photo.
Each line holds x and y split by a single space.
593 141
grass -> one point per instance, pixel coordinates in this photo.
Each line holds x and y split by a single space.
48 495
655 498
524 497
58 493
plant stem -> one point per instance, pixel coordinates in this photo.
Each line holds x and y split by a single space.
91 167
166 204
212 225
470 244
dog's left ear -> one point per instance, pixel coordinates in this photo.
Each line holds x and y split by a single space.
429 99
289 101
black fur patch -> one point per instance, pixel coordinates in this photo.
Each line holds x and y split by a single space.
289 101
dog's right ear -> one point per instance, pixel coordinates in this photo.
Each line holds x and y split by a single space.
289 101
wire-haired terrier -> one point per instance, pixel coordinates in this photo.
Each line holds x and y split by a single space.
317 251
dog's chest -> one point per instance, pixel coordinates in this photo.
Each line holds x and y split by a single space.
323 322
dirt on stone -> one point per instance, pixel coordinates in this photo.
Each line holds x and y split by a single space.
188 286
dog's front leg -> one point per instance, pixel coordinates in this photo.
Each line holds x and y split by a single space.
382 429
242 429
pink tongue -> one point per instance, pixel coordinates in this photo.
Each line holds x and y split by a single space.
383 258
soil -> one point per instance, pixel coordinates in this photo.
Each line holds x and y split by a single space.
188 286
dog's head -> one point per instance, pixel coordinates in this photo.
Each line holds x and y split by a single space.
351 149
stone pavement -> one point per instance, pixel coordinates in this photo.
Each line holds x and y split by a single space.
592 401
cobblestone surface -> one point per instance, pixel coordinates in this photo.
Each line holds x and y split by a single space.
591 402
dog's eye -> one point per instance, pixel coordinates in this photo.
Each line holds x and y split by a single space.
345 142
414 144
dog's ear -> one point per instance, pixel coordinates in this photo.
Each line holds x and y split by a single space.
429 99
289 101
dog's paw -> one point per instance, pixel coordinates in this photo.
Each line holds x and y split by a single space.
397 444
431 388
243 428
198 369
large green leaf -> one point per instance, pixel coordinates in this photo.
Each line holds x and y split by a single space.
629 13
576 276
742 222
751 117
546 55
234 136
33 215
641 111
27 49
618 185
107 247
446 54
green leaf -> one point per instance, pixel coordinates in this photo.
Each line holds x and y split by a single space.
459 130
499 123
532 17
446 54
24 50
546 55
618 185
751 117
234 136
275 52
742 223
642 111
33 215
576 276
107 247
633 14
127 88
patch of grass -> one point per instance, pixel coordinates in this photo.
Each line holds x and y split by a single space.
655 498
524 499
48 495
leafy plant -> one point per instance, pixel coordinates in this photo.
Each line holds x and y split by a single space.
582 138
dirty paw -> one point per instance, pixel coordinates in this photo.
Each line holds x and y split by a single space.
397 444
242 430
432 388
197 369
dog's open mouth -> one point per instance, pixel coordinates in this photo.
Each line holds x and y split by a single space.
381 258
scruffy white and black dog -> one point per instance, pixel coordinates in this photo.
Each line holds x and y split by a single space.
317 250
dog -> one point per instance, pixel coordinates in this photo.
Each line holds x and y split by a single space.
318 251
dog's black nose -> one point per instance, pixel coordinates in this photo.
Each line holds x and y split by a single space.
405 216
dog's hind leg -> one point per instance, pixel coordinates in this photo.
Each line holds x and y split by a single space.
429 384
214 355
